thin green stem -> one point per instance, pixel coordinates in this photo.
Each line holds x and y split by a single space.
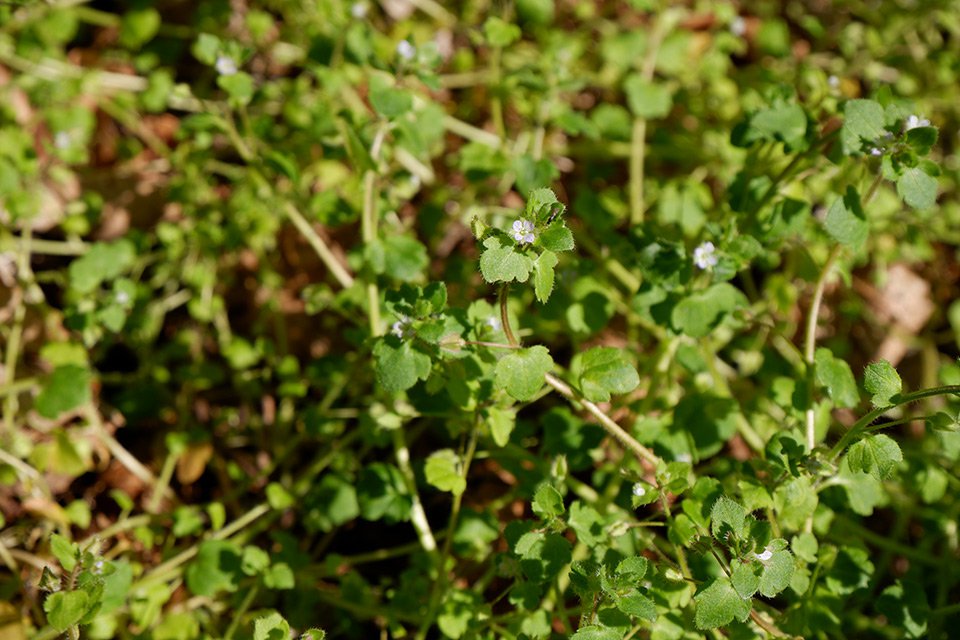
418 517
638 138
860 425
171 567
237 615
608 424
440 585
323 251
505 316
369 223
11 402
810 339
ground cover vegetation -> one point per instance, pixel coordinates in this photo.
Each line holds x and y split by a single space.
517 320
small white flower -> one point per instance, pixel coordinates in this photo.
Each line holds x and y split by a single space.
738 27
62 140
523 231
494 323
401 328
98 567
833 81
914 122
359 10
684 457
876 151
639 490
226 66
765 555
406 50
122 298
705 255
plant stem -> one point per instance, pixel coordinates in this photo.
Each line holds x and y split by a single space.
319 246
369 228
810 340
169 568
611 427
860 425
638 138
418 517
505 317
441 582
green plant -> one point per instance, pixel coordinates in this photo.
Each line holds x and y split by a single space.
477 321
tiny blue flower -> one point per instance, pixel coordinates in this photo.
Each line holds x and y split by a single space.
494 323
705 256
523 231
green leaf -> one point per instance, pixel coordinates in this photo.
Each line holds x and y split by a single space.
66 609
596 632
636 604
846 222
382 493
279 576
646 99
606 370
542 555
882 381
500 33
587 523
65 551
745 578
443 471
521 372
794 502
68 387
917 188
698 314
254 560
836 376
271 627
216 568
388 101
331 502
719 604
503 263
633 568
905 608
547 502
314 634
876 454
785 122
239 86
102 262
543 275
922 139
398 364
557 237
502 423
138 26
862 126
278 497
728 516
541 204
777 568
